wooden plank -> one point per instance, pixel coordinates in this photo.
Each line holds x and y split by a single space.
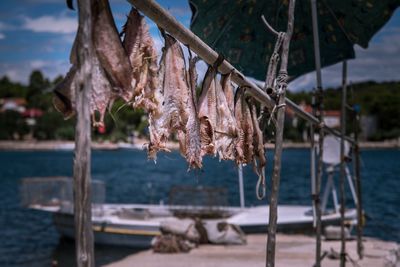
82 198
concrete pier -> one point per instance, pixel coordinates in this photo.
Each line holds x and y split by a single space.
292 250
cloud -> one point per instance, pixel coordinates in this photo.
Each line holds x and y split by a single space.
5 27
51 24
21 71
380 62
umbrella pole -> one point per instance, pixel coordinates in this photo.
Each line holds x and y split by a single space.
281 92
342 167
317 110
83 83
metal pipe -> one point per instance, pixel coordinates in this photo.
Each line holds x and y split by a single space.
317 178
164 20
312 164
343 167
241 186
351 185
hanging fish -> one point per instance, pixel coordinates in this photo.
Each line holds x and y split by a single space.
101 94
109 49
64 94
175 94
227 87
226 128
208 112
109 68
143 58
192 129
247 126
260 161
244 147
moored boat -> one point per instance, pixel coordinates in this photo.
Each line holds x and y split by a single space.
135 225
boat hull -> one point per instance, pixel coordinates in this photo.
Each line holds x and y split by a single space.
111 229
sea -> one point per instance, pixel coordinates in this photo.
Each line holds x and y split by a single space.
28 237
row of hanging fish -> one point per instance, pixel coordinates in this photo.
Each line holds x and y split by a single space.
218 122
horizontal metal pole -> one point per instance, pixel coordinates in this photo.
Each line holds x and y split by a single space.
164 20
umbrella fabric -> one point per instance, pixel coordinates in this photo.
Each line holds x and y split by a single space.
234 29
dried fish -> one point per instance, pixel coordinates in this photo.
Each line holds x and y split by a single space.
208 112
174 90
258 142
101 93
228 91
100 96
143 58
109 49
259 152
248 129
192 129
244 145
226 128
64 94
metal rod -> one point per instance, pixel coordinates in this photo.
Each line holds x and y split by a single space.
83 83
360 219
313 163
319 105
327 191
343 167
276 172
241 186
351 185
164 20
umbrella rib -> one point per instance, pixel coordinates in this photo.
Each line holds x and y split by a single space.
269 27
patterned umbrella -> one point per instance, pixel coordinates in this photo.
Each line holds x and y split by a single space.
234 28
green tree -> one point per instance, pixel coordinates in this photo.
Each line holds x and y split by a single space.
13 125
36 94
11 89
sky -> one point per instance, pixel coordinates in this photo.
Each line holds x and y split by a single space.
38 34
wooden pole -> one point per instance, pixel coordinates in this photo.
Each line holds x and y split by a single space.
276 173
318 112
83 84
360 219
164 20
342 167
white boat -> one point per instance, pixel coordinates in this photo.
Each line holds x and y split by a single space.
136 224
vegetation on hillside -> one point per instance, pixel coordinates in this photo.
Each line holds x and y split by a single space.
381 100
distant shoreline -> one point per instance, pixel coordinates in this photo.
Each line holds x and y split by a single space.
141 144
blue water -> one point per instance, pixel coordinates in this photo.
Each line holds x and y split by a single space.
28 237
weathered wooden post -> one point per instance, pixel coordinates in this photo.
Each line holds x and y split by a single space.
276 172
357 173
317 106
342 166
82 192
